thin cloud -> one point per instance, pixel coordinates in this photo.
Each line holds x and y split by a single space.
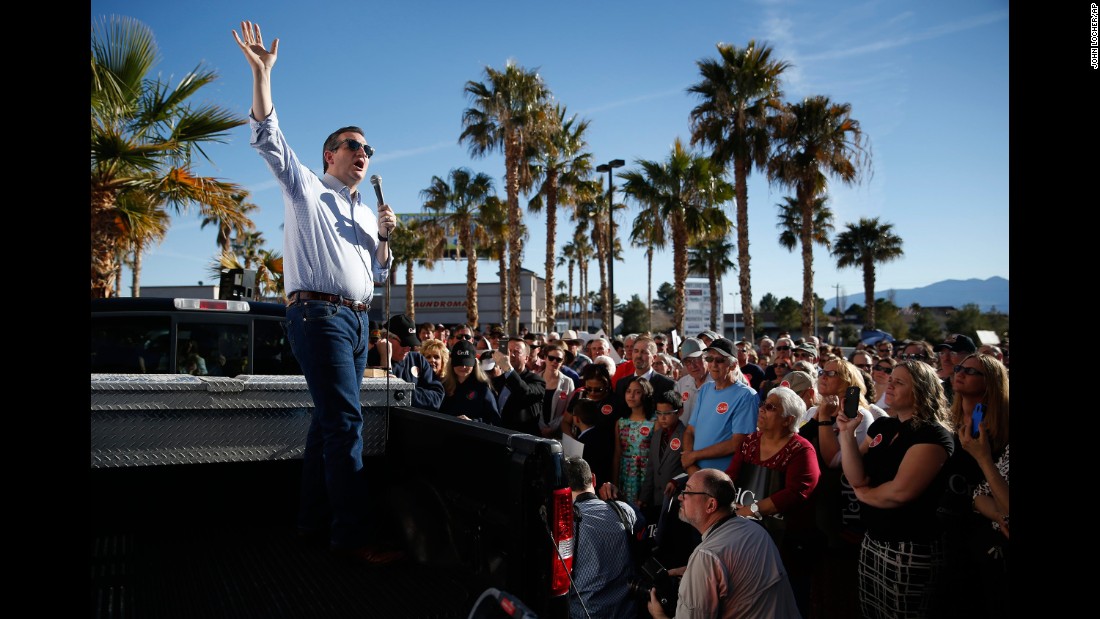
894 42
632 100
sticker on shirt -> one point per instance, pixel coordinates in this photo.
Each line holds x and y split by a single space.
606 409
685 395
470 396
415 371
563 395
875 441
722 408
644 431
674 444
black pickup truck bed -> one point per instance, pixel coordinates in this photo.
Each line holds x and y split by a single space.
218 540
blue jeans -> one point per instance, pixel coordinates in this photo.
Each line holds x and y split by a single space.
330 342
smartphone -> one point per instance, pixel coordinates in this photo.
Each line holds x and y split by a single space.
851 402
976 420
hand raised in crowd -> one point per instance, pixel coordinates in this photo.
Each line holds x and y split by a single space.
828 407
502 361
252 45
608 491
977 447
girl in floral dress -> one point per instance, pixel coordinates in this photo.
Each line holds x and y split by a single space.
633 434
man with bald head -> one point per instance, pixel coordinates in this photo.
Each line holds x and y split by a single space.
736 570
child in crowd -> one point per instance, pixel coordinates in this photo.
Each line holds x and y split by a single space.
633 435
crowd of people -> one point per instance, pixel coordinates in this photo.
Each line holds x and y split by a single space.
879 477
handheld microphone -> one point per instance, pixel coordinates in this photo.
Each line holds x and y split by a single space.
377 182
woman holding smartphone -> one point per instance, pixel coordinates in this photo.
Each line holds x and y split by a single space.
897 476
980 404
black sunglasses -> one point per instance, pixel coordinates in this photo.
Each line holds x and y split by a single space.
464 336
884 368
354 145
968 371
782 347
553 358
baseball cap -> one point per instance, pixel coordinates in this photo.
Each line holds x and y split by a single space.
404 329
708 333
691 348
463 353
487 361
957 343
810 348
798 381
723 346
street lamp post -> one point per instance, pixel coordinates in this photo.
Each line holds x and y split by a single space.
609 167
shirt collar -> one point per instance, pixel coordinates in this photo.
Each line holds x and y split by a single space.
339 187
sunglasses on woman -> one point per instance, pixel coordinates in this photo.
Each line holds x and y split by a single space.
967 371
884 368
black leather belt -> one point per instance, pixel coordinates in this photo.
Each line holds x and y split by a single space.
308 295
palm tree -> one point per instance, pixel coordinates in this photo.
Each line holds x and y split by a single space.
686 190
233 224
649 232
143 220
815 138
563 168
790 222
144 135
456 205
568 259
741 96
508 111
415 241
709 256
864 244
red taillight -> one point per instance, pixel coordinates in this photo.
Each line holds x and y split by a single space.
562 525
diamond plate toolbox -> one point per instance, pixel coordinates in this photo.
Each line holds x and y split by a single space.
154 419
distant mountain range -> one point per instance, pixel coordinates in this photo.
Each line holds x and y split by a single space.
985 293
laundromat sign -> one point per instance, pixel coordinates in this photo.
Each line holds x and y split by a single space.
429 304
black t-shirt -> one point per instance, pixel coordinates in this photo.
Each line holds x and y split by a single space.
915 521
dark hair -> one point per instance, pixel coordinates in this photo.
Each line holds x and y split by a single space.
597 371
586 411
578 474
669 397
648 403
332 142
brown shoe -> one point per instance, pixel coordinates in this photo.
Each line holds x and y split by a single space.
370 555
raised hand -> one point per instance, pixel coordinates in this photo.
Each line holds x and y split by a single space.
252 45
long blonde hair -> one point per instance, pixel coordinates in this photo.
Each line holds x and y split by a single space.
995 401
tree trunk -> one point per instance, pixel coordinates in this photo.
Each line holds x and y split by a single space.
551 248
515 239
680 262
503 291
869 290
713 277
572 307
584 294
410 301
104 240
649 289
744 280
806 199
135 272
471 277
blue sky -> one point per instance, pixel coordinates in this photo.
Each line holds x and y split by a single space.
927 81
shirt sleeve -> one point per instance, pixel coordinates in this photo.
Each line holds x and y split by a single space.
702 580
801 478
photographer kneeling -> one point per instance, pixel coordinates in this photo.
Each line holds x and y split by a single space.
736 570
602 563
